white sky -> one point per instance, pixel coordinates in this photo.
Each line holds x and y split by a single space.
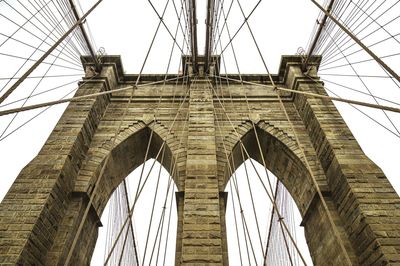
126 28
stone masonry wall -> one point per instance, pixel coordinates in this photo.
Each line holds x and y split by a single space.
41 212
201 231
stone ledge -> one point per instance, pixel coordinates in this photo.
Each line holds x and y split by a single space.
286 62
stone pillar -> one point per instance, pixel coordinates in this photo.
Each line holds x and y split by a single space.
363 198
179 196
35 206
201 229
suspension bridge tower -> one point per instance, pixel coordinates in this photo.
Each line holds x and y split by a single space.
201 125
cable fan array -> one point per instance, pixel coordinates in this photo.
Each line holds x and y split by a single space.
29 29
126 249
32 27
279 249
348 70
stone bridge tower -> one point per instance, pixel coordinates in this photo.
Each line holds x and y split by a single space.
40 214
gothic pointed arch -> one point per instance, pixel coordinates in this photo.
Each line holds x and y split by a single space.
126 153
284 159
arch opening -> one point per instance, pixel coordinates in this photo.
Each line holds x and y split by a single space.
283 162
127 177
255 234
128 155
150 238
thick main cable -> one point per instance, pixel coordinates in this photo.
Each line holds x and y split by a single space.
51 49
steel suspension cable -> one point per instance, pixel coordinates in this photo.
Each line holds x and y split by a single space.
141 189
38 38
51 19
365 86
123 197
44 110
153 205
302 151
157 108
244 223
42 76
359 62
233 161
236 225
359 50
109 154
339 99
344 37
179 16
166 27
218 41
52 48
40 50
173 167
375 21
365 114
252 199
353 17
27 21
339 7
258 175
255 132
217 20
34 88
58 27
170 178
358 91
40 93
168 227
246 18
10 90
29 59
80 98
321 96
274 203
358 41
161 222
159 231
343 41
243 219
232 174
130 225
249 114
269 232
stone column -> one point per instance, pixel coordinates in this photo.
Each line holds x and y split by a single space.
361 195
201 228
35 206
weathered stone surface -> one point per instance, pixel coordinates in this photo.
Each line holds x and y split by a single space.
201 211
40 214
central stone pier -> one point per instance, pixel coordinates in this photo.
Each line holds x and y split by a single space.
201 221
